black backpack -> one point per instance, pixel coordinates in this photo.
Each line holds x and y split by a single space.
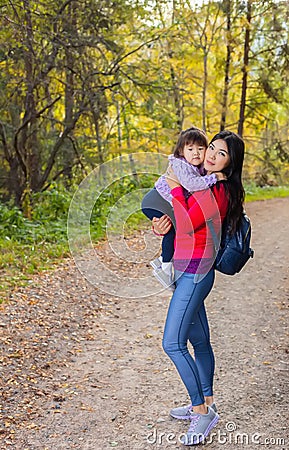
233 251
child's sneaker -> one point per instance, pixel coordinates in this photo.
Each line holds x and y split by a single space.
156 263
185 412
200 427
167 267
165 279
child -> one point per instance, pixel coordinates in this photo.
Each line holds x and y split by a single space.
186 165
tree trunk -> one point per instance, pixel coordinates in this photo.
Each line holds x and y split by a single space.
204 90
68 152
177 97
176 91
245 69
119 133
227 66
30 132
95 116
15 186
126 124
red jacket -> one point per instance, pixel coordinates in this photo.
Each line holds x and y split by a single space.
194 245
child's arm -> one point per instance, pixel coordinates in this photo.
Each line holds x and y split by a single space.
163 188
190 177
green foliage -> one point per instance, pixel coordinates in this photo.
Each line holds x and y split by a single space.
82 82
110 197
254 192
48 223
28 246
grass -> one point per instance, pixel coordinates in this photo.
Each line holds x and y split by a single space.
254 193
19 261
21 258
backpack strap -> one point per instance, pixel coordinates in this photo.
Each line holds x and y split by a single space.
214 234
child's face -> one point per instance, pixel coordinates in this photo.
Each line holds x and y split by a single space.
194 153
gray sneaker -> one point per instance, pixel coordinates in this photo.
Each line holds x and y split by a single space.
156 263
164 279
184 412
200 427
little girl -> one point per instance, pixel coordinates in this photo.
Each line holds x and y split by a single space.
186 165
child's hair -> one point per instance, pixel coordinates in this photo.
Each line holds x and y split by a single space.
192 135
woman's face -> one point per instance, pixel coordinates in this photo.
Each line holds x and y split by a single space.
217 156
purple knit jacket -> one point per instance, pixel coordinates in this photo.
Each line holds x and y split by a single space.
189 176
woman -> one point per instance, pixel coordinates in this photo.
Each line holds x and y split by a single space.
194 273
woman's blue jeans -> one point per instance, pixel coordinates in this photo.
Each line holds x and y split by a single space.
187 321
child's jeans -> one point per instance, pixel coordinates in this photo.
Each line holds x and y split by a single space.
154 205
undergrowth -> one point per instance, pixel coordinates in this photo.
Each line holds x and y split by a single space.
30 246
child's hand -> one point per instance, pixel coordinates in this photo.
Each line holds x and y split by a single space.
162 225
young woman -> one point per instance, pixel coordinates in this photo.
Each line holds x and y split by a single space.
193 263
187 164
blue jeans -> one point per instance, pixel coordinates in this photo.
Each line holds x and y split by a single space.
154 205
187 321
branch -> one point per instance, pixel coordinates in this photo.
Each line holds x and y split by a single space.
60 172
266 161
25 123
77 154
55 177
62 8
36 115
121 58
58 145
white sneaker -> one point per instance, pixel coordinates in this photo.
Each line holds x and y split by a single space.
167 267
156 263
165 279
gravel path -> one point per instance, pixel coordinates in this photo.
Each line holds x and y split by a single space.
85 370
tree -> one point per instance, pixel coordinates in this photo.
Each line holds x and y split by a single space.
245 68
57 85
228 11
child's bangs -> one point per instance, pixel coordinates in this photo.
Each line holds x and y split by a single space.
196 137
199 140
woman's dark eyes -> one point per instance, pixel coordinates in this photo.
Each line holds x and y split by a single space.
220 152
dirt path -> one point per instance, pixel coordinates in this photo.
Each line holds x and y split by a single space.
84 370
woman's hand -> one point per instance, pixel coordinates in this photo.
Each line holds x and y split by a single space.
171 178
162 225
220 176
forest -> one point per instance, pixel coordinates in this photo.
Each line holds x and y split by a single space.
85 81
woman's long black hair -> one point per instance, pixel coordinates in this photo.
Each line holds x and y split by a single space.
233 171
